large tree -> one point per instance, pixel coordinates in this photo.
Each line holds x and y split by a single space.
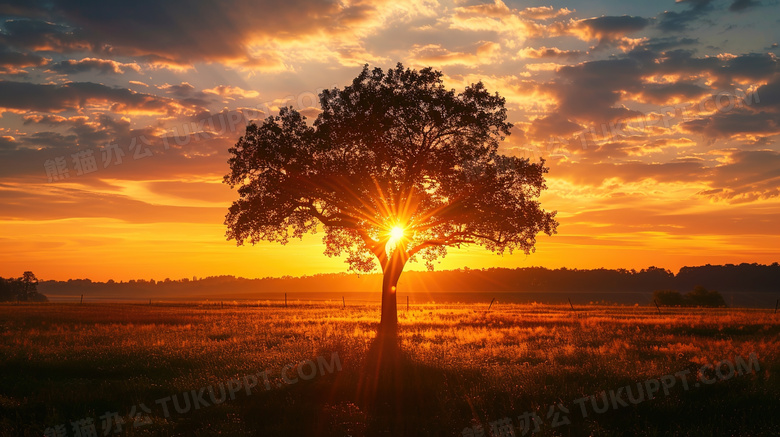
395 168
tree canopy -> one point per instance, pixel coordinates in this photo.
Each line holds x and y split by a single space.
21 289
394 149
699 296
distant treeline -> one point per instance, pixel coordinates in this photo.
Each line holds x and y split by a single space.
724 278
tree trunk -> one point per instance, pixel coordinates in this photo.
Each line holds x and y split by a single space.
391 272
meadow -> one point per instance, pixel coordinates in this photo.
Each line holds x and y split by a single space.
463 370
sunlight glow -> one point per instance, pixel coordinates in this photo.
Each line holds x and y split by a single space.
396 233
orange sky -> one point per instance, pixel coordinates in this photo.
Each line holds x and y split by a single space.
660 128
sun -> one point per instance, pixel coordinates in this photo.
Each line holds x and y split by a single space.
396 233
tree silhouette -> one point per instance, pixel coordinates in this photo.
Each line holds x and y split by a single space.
395 169
29 285
669 298
700 296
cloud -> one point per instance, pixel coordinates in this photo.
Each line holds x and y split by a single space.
748 67
21 8
683 63
55 98
104 66
674 92
737 122
741 5
660 44
52 202
517 25
595 174
199 191
231 92
594 91
49 140
175 153
7 142
671 21
727 70
188 95
184 89
82 131
12 62
34 34
768 96
48 119
747 176
438 56
496 17
498 9
609 29
590 91
635 148
181 32
552 125
548 52
745 116
544 12
742 176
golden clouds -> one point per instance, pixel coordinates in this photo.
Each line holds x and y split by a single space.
437 56
662 139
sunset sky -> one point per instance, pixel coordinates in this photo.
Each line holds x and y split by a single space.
659 121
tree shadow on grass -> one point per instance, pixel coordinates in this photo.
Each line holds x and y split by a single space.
392 395
385 394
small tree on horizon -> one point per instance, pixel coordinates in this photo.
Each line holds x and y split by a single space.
29 285
700 296
668 298
396 168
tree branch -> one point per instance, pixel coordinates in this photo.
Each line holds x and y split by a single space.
440 242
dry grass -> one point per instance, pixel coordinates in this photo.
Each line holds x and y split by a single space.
64 362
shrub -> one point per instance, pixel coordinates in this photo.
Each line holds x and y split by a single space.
668 298
700 296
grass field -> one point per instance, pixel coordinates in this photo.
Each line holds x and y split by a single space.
461 368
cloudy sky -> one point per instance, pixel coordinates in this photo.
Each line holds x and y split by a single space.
659 122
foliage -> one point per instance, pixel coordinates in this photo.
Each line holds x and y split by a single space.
670 298
394 148
699 296
22 289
